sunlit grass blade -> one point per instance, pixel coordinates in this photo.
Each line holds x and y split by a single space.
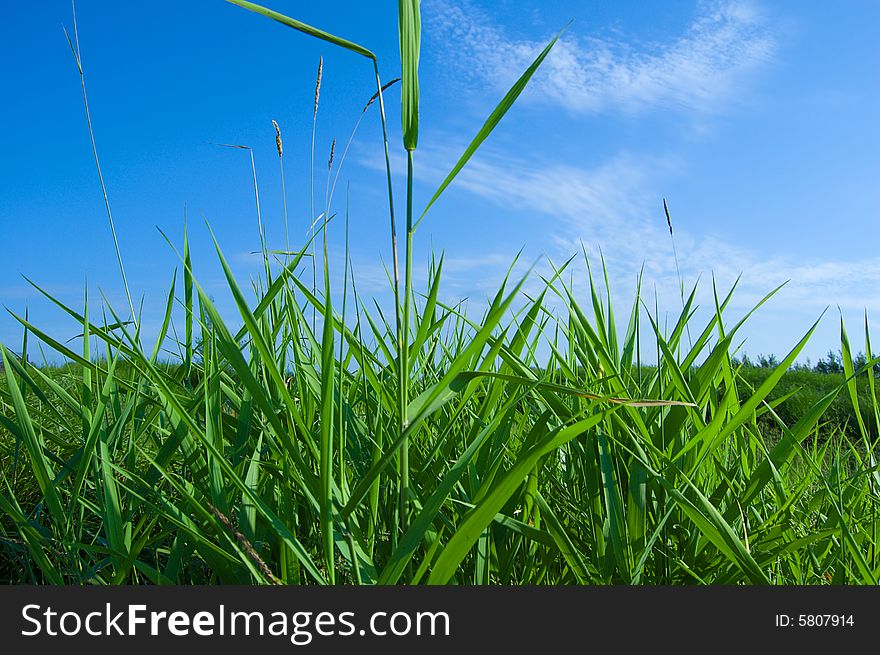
409 22
36 448
491 123
302 27
477 519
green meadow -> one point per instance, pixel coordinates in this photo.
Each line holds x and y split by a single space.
550 437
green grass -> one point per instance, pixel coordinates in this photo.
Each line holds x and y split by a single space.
801 388
313 442
146 473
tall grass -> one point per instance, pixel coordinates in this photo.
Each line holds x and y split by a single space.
432 447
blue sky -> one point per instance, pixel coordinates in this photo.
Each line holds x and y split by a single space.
756 120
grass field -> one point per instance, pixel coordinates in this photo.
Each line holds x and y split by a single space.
308 442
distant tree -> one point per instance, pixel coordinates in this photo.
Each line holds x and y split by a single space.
831 363
806 365
768 362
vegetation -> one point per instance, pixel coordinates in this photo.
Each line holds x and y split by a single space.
803 386
321 443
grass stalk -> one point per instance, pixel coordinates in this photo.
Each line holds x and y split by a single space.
312 218
279 146
74 46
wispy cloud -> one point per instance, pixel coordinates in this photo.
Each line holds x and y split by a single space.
617 206
616 203
697 70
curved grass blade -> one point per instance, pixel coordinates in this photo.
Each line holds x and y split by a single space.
305 29
484 513
491 123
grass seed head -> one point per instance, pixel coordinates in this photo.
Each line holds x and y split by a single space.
278 143
318 83
376 95
332 153
668 218
246 545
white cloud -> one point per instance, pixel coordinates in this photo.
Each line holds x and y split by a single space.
697 70
617 206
